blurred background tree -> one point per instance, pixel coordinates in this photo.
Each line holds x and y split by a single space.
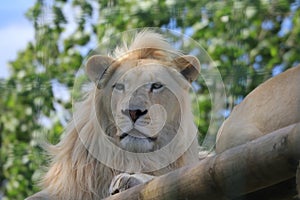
249 41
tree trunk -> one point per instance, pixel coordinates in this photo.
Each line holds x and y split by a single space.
241 170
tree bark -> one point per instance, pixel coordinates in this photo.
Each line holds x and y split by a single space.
285 190
241 170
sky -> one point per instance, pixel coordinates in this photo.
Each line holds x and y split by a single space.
15 31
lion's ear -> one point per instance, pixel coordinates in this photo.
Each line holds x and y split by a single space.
96 67
189 67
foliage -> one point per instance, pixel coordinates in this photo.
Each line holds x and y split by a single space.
249 41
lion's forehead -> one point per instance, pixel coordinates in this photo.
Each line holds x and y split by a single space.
142 73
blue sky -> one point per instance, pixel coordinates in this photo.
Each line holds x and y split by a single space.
15 31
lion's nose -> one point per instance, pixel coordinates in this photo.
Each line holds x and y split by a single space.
134 114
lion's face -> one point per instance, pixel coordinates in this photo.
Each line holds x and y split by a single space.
141 100
144 111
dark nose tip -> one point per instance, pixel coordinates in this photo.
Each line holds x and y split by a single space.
134 114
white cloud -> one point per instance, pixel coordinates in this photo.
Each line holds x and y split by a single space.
14 37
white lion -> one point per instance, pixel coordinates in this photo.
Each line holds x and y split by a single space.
273 105
136 119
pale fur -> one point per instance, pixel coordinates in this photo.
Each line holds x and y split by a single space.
145 39
74 172
272 105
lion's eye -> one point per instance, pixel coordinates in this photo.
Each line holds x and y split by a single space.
156 86
119 86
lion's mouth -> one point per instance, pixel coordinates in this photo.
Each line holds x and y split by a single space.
135 136
137 142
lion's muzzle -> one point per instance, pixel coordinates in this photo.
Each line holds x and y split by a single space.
134 114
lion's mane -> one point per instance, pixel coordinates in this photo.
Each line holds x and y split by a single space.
74 172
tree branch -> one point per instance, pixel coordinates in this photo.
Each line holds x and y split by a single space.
285 190
241 170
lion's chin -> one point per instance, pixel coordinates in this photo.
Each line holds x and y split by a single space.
137 144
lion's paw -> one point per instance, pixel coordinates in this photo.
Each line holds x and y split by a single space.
124 181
